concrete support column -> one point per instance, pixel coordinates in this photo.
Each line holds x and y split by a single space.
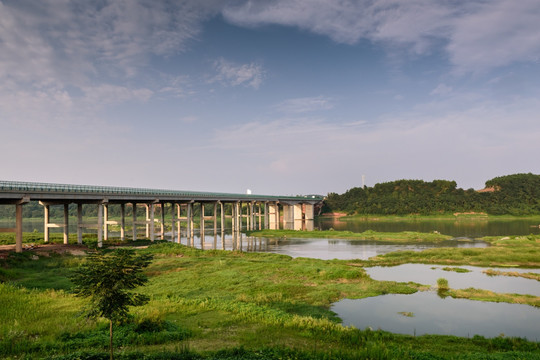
122 222
288 217
178 225
233 217
309 211
46 220
215 218
266 215
240 215
190 222
79 224
134 216
260 217
298 216
222 224
273 216
18 228
201 226
250 217
162 226
100 225
106 222
66 224
152 225
147 234
173 223
222 216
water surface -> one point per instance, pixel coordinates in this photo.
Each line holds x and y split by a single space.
328 249
471 228
428 275
434 315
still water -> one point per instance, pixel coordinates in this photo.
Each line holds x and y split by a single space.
427 313
324 249
428 275
459 227
327 249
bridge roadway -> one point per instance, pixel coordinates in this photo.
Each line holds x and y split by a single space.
259 211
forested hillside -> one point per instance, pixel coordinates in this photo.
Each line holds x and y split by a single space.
517 194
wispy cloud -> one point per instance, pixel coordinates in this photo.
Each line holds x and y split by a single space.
63 61
477 35
306 104
435 140
441 89
231 74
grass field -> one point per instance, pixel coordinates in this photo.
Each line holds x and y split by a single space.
230 305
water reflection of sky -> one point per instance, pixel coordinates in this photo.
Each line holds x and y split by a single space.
428 275
327 249
434 315
324 249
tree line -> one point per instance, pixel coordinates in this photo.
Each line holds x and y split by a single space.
517 194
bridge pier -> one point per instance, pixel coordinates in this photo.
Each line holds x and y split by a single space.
100 224
261 211
134 221
79 223
122 222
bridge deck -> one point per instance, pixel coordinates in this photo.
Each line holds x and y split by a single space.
10 190
297 210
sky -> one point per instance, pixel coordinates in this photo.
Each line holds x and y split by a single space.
282 97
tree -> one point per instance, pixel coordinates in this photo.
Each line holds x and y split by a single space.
107 280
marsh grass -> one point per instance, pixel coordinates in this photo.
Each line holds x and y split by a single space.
442 284
405 236
406 313
519 251
455 269
530 275
486 295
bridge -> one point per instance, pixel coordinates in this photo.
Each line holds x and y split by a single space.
256 211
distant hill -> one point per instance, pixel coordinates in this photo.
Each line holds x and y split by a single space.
517 194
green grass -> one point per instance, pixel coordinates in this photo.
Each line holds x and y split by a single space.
516 251
219 305
405 236
455 269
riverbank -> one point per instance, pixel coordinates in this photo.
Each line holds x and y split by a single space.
254 305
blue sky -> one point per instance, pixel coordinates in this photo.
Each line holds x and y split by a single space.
278 96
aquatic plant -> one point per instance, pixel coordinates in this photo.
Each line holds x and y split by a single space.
442 284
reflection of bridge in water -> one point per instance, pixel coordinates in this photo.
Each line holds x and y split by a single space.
246 211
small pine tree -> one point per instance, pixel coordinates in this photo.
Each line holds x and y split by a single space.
107 280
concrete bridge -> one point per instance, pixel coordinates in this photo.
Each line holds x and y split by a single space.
255 211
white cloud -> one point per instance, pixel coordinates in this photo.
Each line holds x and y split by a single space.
436 140
477 35
189 119
441 89
231 74
496 33
306 104
68 40
63 61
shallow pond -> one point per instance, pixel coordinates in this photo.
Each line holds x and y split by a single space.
427 313
328 249
428 275
325 249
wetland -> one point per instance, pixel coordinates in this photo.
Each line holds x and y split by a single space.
284 296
